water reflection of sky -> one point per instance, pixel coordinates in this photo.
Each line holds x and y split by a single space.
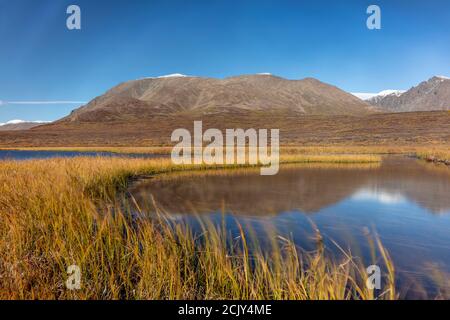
406 204
381 196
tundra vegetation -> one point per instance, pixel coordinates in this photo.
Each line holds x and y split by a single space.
61 212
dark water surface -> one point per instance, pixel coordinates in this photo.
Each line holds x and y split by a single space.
29 154
405 201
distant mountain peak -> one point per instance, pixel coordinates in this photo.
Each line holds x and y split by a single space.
17 124
388 92
432 94
18 121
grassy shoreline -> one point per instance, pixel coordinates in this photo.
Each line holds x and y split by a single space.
435 156
436 153
60 212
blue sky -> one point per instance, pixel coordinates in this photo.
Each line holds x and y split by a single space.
42 61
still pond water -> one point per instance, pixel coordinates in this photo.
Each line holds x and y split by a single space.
405 201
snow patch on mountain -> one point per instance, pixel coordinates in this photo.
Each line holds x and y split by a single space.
363 95
173 75
17 121
389 92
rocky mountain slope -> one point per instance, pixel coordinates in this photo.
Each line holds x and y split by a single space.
433 94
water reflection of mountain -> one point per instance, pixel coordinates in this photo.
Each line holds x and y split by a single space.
307 189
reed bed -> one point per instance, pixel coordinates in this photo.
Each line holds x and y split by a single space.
435 156
61 212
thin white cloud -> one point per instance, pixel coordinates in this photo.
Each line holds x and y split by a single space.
43 102
364 95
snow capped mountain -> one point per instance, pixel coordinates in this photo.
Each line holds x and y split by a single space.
173 75
432 94
17 121
385 93
12 122
17 124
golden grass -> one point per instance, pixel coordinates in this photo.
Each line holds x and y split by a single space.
287 154
286 150
59 212
435 155
440 151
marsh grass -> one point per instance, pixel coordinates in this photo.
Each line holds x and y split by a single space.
435 155
284 149
60 212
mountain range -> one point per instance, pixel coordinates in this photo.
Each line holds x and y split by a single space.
179 95
145 112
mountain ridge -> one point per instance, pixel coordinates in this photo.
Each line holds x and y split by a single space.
430 95
180 94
